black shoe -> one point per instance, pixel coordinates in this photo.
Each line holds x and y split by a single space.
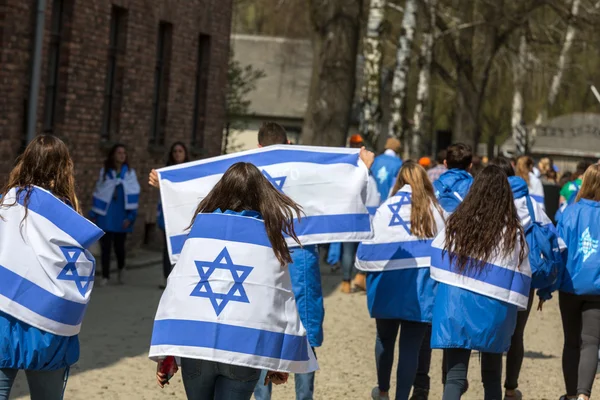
420 394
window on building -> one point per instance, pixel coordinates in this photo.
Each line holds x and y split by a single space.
201 91
57 37
113 90
161 83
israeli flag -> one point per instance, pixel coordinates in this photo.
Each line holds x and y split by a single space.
229 300
107 184
501 279
46 271
393 246
329 183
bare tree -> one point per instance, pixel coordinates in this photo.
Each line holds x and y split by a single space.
519 68
373 56
335 36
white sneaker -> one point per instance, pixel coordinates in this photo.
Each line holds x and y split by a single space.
376 394
104 282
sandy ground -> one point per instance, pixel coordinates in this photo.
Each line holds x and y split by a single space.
116 334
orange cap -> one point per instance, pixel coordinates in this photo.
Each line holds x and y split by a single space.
424 161
355 139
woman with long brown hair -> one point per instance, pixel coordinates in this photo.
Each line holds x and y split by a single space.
400 292
483 279
243 219
46 273
579 287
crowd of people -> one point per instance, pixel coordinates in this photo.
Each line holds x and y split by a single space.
457 255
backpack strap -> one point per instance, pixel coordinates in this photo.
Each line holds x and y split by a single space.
530 208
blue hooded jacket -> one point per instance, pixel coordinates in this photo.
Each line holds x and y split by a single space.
385 169
450 184
581 232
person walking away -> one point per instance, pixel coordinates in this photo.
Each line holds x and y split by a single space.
400 291
569 190
44 264
514 357
386 167
454 184
484 277
114 209
524 169
435 172
178 154
579 288
242 222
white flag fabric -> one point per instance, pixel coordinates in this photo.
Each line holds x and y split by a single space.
229 300
329 183
46 273
393 247
501 279
105 189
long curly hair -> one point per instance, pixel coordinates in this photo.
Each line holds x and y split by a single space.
244 188
422 221
45 163
486 224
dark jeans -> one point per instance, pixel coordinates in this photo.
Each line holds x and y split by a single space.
348 259
422 380
514 357
208 380
581 326
167 266
106 243
305 386
411 336
458 366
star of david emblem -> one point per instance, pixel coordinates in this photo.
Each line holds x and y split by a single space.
278 182
587 245
70 273
382 174
239 273
395 209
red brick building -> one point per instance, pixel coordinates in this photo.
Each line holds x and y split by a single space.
144 73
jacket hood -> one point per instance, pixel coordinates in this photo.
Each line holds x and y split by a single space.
518 186
455 180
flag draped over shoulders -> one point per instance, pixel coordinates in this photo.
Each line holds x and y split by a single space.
46 271
329 183
229 300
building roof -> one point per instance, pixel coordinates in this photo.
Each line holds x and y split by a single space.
575 134
287 64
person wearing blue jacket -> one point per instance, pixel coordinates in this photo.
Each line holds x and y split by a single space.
579 288
400 292
386 167
114 209
178 154
484 278
454 184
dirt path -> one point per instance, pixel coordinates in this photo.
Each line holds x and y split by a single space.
117 328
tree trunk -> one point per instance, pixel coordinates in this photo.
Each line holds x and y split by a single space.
424 79
336 27
373 55
400 82
560 67
519 67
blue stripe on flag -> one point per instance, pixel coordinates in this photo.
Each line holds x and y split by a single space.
323 224
133 198
99 204
372 210
62 216
395 251
260 160
491 274
231 228
177 243
39 300
537 198
233 338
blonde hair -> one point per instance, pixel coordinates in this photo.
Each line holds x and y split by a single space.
545 165
422 221
590 186
524 167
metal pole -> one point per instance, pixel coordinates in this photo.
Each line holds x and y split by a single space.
36 70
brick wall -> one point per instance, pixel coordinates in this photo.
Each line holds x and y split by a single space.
82 78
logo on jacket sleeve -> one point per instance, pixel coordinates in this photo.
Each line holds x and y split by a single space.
587 245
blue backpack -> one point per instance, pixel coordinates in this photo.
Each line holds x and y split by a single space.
544 252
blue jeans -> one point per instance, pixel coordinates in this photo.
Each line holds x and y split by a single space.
348 259
305 387
208 380
411 336
43 385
